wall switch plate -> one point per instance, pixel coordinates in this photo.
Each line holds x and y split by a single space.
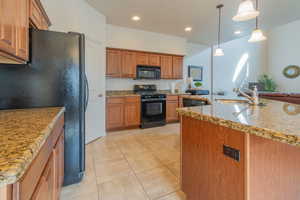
231 152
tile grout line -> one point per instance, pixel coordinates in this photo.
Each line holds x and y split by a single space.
98 186
135 175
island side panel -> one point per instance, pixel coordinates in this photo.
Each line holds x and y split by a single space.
206 172
274 170
6 192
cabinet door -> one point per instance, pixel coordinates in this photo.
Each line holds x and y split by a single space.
113 63
35 14
59 165
142 59
128 64
166 67
154 60
115 114
8 25
22 29
172 115
177 67
45 187
132 111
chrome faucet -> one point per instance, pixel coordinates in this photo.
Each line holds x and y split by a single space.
254 100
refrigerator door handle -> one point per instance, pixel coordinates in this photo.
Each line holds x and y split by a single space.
87 92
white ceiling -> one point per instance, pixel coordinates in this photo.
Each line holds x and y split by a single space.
172 16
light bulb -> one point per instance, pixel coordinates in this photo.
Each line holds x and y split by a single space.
219 52
257 36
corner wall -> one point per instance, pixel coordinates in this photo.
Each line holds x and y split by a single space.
284 50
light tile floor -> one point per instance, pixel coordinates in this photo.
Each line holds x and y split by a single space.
140 164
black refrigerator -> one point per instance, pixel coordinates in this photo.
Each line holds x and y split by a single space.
54 77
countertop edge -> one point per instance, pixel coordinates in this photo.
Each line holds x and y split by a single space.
11 179
261 132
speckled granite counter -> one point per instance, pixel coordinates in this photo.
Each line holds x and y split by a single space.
120 93
22 134
278 121
197 97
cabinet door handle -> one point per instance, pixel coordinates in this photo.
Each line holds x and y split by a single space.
100 95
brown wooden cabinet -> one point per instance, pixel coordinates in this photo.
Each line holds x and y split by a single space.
122 112
22 45
38 16
177 67
128 64
58 153
154 60
122 63
114 113
142 58
8 26
166 67
113 63
14 28
45 186
172 105
132 111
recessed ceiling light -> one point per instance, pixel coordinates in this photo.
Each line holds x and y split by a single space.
136 18
188 29
237 32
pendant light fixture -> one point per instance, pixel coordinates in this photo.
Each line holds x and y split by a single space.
246 11
219 51
257 35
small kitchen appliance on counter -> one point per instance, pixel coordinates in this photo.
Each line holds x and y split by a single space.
197 92
153 106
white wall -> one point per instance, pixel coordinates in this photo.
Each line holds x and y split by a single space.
199 55
126 38
242 61
284 50
78 16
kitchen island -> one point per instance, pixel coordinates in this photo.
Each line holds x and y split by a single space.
31 153
235 151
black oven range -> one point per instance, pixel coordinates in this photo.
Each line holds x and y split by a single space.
153 106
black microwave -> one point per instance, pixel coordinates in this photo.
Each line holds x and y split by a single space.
148 72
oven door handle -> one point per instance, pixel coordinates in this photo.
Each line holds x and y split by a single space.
153 100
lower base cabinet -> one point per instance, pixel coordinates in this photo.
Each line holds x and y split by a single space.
123 112
44 177
173 102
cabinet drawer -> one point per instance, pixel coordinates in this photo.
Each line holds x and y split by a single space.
136 99
172 98
110 100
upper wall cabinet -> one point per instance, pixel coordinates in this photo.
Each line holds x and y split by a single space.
177 67
142 59
38 16
122 63
14 28
154 59
113 63
128 64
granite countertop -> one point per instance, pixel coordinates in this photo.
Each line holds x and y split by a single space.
197 97
276 120
22 134
122 93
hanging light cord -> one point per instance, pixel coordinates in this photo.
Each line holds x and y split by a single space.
219 32
256 20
